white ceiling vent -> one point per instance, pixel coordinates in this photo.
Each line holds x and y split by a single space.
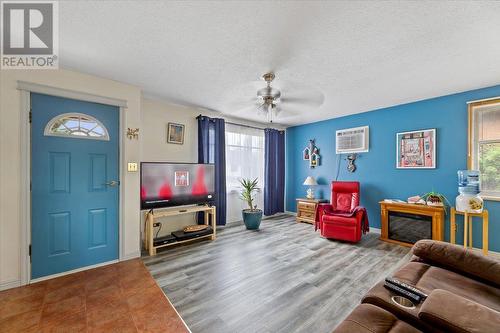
352 140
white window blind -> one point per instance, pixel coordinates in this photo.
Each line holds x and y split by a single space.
486 147
244 159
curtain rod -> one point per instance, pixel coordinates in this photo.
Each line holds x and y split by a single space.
243 125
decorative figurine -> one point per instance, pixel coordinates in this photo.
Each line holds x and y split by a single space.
311 154
351 167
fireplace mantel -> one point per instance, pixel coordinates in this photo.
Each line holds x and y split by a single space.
422 212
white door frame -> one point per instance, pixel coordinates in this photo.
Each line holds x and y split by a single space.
26 88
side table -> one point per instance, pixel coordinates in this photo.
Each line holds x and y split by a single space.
468 227
306 209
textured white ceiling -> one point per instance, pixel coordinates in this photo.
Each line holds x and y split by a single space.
361 55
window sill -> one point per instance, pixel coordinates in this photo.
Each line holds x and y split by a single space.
489 197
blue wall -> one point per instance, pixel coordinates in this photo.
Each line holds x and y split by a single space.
377 171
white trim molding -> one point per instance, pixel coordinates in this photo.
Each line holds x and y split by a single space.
489 197
10 284
129 256
375 230
26 89
483 100
53 91
25 195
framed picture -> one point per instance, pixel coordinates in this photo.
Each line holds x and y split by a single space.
175 133
416 149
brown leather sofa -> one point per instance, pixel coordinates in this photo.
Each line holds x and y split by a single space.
463 288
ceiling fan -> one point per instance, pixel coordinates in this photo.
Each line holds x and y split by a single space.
287 100
269 96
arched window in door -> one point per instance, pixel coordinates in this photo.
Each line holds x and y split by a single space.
77 126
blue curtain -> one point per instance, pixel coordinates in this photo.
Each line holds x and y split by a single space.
212 149
274 184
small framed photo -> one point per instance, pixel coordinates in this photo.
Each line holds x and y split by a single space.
416 149
175 133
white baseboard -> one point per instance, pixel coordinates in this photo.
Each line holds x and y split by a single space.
17 283
375 230
10 284
132 255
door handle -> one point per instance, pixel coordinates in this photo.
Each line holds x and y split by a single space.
112 183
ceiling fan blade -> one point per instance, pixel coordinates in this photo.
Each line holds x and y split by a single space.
300 93
249 110
237 107
310 100
301 100
288 109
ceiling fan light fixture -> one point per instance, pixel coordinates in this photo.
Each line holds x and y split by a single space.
268 77
269 92
270 104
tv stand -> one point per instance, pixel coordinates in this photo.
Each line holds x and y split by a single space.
209 219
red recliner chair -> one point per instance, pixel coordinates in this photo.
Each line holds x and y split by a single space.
342 218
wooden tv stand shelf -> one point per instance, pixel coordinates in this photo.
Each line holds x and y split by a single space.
209 214
435 213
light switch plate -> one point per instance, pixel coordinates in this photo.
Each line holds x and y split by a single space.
132 167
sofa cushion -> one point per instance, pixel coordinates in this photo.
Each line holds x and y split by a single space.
427 278
340 220
452 313
371 319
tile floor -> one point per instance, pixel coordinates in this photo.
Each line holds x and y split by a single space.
122 297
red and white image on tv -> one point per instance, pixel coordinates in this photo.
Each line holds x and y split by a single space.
181 178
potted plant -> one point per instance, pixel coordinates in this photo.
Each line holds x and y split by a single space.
251 216
435 199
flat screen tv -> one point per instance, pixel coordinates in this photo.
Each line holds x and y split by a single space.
175 184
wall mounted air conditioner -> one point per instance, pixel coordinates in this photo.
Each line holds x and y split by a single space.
352 140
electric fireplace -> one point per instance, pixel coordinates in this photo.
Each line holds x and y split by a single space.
405 224
409 228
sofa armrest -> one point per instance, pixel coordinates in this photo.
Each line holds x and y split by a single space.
453 313
456 258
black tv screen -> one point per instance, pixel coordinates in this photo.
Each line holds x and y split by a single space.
174 184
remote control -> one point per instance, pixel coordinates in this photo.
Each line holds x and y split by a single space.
406 287
403 292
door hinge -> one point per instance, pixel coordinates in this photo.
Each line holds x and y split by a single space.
29 250
30 116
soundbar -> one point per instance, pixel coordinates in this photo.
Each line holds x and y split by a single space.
164 240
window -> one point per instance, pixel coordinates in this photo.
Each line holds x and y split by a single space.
244 159
76 125
484 145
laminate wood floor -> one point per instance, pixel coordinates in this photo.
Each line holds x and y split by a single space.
282 278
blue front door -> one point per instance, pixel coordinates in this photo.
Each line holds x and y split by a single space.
74 178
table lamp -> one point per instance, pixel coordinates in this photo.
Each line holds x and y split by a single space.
310 181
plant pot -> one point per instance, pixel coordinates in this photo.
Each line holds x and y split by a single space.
252 218
434 201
